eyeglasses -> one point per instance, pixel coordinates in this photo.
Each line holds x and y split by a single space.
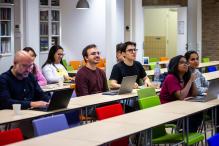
183 62
95 53
132 50
61 54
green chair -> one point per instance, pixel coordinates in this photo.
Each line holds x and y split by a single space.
205 59
68 67
153 59
159 134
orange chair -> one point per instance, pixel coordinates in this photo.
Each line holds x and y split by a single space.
102 63
10 136
75 64
164 59
112 111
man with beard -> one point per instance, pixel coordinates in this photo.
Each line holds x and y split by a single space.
90 79
19 86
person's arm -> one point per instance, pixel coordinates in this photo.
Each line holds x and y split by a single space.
182 94
114 78
114 84
201 84
49 73
147 82
40 78
81 84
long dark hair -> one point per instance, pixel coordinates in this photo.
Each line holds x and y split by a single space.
28 49
50 58
173 68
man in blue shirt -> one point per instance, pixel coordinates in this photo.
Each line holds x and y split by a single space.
19 86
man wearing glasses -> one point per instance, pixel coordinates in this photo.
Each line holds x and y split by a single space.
90 79
19 86
128 67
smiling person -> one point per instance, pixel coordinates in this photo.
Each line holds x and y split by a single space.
53 68
193 60
90 79
128 67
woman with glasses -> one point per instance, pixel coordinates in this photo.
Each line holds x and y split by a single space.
179 83
53 68
200 82
35 70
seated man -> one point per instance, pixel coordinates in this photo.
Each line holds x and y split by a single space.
18 85
128 67
90 79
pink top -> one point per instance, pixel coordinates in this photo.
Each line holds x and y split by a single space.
170 86
39 77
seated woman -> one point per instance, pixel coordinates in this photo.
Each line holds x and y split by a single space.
178 85
53 69
35 70
200 82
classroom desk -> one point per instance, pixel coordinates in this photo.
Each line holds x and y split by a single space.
110 129
211 75
201 65
54 87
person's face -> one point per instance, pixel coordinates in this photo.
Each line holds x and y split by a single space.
193 61
58 56
23 67
119 56
130 52
182 65
93 56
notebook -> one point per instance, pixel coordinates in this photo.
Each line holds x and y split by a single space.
59 100
212 93
126 86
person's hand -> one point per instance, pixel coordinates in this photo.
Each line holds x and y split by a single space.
36 104
193 77
135 86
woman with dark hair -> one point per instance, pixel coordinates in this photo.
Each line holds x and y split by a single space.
53 68
179 83
35 70
200 82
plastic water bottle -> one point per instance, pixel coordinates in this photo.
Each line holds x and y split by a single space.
157 73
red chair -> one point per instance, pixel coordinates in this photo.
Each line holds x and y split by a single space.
10 136
112 111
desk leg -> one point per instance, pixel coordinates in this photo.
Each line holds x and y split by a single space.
215 112
187 130
148 137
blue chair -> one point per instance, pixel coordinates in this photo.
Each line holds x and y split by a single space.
214 140
72 118
49 125
212 68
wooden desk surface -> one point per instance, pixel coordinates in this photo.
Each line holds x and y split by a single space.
8 116
211 75
54 87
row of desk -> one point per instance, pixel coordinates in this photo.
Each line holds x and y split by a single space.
115 129
101 132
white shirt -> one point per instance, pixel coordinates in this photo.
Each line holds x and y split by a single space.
54 72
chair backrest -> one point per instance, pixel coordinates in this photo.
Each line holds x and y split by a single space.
75 64
153 59
68 67
112 111
10 136
164 59
50 124
212 68
214 140
205 59
149 102
72 118
146 92
109 111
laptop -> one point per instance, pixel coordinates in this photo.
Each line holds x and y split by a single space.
59 100
212 93
126 86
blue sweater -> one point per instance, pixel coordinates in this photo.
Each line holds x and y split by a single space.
22 92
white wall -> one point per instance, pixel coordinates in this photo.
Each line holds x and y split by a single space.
82 27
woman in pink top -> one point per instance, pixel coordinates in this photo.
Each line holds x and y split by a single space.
35 70
178 85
